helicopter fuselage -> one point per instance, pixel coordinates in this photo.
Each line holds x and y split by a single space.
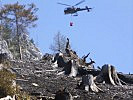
72 10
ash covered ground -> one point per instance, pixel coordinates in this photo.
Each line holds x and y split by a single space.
41 78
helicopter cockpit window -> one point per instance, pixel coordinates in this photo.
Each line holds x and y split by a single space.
65 9
68 8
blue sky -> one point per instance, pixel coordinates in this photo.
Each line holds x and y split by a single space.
106 32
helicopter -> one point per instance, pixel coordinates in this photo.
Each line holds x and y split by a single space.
73 10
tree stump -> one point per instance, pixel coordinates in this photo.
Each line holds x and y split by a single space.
88 84
109 75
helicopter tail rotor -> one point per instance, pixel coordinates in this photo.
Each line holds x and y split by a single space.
88 9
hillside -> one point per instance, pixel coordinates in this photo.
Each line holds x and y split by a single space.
48 83
45 77
27 74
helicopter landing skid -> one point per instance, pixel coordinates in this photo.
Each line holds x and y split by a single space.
74 14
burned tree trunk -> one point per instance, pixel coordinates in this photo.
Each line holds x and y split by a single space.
88 84
69 52
109 75
84 57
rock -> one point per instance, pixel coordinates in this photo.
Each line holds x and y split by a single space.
63 95
31 52
34 84
4 49
6 98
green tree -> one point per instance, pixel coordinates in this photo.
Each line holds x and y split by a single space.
59 43
21 17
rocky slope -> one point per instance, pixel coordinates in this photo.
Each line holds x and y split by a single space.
38 78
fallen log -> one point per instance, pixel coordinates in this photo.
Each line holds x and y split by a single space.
126 78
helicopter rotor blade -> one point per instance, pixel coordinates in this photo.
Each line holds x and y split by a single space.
63 4
79 2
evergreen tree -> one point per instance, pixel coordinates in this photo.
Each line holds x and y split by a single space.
20 17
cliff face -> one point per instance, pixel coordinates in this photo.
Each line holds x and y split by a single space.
4 49
31 52
28 49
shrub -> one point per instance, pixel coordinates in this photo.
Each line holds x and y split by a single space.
6 82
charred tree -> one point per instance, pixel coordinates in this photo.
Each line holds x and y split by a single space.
109 75
88 84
